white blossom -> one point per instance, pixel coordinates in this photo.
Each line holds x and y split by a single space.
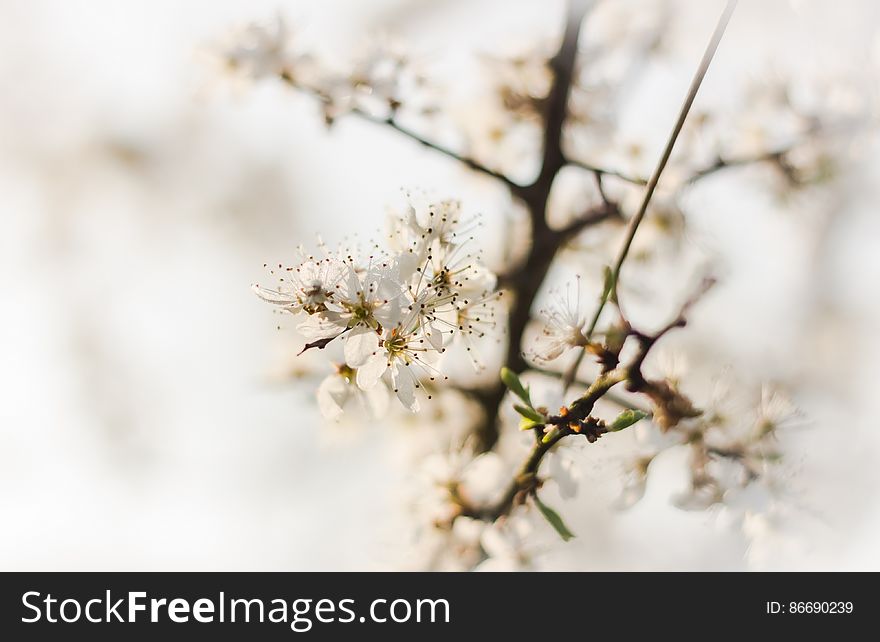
261 50
339 389
308 287
506 546
564 471
393 312
564 326
407 350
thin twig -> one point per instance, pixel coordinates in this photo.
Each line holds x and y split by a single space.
635 180
636 220
581 408
391 121
721 163
529 276
465 160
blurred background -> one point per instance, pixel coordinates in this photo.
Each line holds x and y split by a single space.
144 416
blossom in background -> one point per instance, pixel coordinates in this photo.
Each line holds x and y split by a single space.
564 471
264 50
507 546
339 389
650 442
564 325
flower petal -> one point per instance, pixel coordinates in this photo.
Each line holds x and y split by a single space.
434 337
405 386
320 326
369 373
333 392
360 344
375 401
275 297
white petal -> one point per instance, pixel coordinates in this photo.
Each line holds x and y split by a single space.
389 314
360 344
320 326
434 337
332 395
369 373
405 387
564 472
375 401
274 297
484 478
497 544
632 493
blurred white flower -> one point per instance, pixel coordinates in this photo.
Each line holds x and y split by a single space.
697 498
564 325
635 483
565 472
261 50
338 389
775 411
506 545
483 479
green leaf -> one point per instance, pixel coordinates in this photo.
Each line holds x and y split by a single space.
511 380
608 285
530 413
554 519
626 419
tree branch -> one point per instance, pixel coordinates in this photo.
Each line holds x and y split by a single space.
636 220
635 180
721 163
391 121
467 161
529 276
563 65
672 405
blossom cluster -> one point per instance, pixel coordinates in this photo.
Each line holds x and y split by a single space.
394 310
375 83
394 313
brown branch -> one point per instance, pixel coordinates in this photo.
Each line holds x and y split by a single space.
391 121
530 275
563 66
467 161
601 171
720 163
636 220
606 211
610 396
647 341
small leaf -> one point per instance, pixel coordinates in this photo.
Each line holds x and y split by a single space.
549 435
626 419
511 380
554 519
528 424
530 413
608 284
